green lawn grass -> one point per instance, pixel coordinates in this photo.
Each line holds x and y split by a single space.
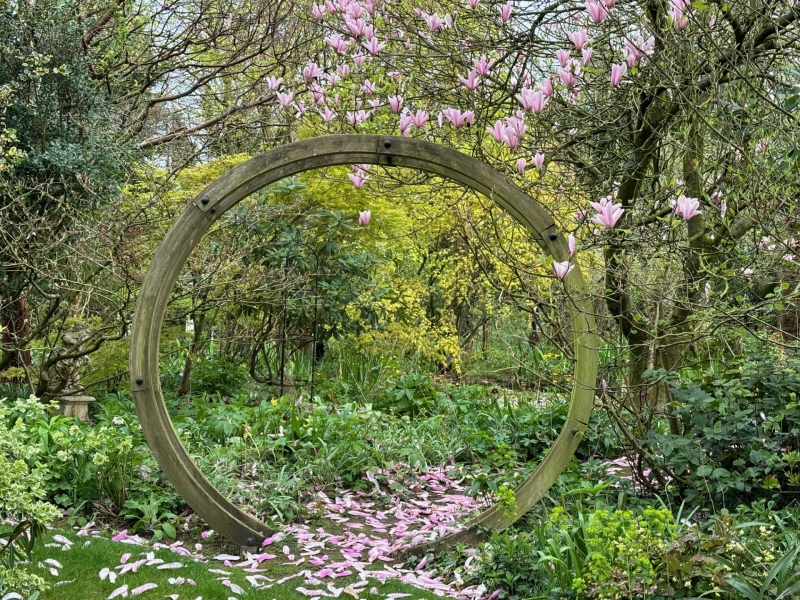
82 565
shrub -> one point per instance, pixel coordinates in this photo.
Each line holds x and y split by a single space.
739 431
611 554
23 514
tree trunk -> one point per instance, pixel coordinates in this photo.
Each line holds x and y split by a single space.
15 323
197 338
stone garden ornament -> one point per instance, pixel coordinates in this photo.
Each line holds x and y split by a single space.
224 193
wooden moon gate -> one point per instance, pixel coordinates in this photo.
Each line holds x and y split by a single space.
251 176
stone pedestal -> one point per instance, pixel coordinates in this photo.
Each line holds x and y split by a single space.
76 406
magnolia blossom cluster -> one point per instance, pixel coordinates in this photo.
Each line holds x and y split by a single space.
355 36
511 131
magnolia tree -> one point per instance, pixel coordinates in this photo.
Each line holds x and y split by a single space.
662 135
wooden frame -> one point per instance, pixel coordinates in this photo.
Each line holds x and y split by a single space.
249 177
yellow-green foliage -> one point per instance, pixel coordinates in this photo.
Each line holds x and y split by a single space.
404 327
439 247
623 550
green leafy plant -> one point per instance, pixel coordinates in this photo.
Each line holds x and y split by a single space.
149 516
24 515
739 427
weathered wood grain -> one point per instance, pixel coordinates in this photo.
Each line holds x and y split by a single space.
229 189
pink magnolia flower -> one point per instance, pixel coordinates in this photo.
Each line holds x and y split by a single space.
687 207
358 180
273 82
747 271
530 100
357 117
356 27
587 55
516 124
563 58
716 196
336 42
678 13
510 137
521 164
286 99
571 243
547 87
317 94
373 46
369 87
483 65
596 11
497 131
505 11
433 21
312 71
578 38
343 71
538 160
359 60
363 217
473 3
318 11
420 119
567 77
456 117
328 115
617 73
405 124
471 81
723 209
395 103
562 269
608 212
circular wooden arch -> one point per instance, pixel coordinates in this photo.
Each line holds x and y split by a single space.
249 177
